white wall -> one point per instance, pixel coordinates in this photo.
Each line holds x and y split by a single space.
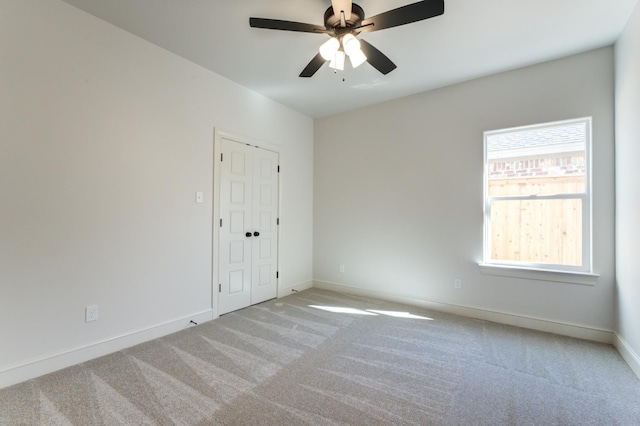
628 188
398 191
105 139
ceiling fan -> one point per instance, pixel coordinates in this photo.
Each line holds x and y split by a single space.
343 21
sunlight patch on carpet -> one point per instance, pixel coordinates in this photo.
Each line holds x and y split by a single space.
343 310
371 312
399 314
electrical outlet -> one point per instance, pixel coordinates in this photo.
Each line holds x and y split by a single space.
342 268
457 283
91 313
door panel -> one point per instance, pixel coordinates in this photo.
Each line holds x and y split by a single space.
234 259
265 216
236 282
236 221
265 221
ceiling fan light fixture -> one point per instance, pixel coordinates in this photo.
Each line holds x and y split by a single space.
329 48
357 58
337 62
350 44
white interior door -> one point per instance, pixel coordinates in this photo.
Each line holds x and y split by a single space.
248 237
264 258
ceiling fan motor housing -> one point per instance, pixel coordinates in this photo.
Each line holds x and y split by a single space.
331 21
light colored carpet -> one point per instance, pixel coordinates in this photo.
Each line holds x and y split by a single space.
293 362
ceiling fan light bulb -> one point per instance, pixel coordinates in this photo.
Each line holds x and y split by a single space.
357 58
337 62
329 48
351 44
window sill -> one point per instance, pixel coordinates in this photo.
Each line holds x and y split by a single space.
583 278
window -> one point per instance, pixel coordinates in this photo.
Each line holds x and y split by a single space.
537 210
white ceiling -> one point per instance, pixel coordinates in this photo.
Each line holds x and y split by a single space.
473 38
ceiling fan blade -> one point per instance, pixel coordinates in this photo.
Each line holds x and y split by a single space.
277 24
376 58
313 66
342 6
404 15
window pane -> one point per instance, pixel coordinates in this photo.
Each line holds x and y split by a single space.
540 161
537 231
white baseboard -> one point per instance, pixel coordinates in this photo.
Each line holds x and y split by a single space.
286 291
48 364
54 362
628 354
565 329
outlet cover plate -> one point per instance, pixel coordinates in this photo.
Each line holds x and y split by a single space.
91 313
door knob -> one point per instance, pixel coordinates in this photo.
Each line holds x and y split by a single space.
256 234
248 234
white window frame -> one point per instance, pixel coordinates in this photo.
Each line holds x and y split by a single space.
548 272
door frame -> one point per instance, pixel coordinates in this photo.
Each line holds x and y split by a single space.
218 135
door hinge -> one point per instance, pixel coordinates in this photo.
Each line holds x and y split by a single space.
219 288
278 169
221 156
278 221
220 223
277 274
